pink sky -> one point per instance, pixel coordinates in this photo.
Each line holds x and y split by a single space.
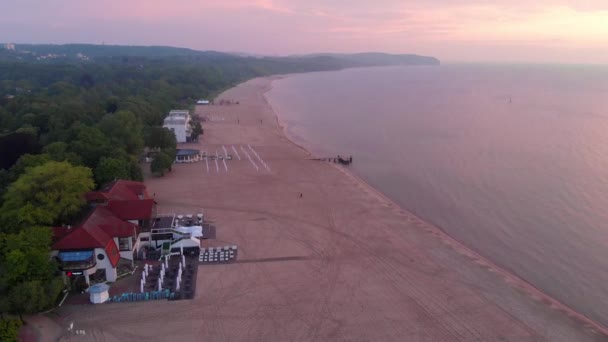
452 30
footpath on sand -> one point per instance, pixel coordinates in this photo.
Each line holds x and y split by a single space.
340 262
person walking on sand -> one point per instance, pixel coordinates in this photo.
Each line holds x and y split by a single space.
301 195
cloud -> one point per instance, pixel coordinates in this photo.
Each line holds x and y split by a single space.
299 26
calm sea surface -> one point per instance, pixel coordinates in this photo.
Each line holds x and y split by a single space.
510 160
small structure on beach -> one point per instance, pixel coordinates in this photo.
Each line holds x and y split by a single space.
187 155
202 102
99 293
339 159
173 233
345 161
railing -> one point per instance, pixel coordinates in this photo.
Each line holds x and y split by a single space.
78 265
168 231
167 234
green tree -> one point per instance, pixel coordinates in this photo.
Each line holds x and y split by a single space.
58 151
44 195
34 295
134 170
109 169
25 162
124 130
159 137
91 144
9 329
171 152
27 278
197 129
151 114
7 120
161 163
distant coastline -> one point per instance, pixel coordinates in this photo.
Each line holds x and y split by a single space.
85 53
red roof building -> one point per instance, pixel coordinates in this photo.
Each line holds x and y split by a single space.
133 209
117 211
128 200
120 190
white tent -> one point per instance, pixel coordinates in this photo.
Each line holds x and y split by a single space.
195 231
99 293
187 243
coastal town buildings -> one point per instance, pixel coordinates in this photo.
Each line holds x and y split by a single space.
108 234
121 225
178 121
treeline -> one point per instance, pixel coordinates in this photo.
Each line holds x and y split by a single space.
89 111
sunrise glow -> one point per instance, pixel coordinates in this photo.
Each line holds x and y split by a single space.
501 30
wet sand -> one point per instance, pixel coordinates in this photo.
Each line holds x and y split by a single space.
339 263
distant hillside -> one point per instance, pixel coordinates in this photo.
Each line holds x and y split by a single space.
49 52
380 59
88 52
107 50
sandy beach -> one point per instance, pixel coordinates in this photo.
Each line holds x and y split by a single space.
322 256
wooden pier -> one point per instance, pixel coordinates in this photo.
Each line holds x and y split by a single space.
337 159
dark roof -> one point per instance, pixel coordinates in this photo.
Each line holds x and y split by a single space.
60 232
186 152
164 222
81 238
96 231
132 210
121 190
110 224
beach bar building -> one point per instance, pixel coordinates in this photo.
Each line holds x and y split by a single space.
187 156
108 235
178 121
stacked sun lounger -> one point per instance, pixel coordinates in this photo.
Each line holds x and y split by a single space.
218 255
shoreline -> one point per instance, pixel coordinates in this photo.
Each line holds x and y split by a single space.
341 262
509 277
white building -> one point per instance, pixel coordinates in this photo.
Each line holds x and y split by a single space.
178 121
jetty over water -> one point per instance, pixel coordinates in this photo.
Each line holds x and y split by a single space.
337 159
